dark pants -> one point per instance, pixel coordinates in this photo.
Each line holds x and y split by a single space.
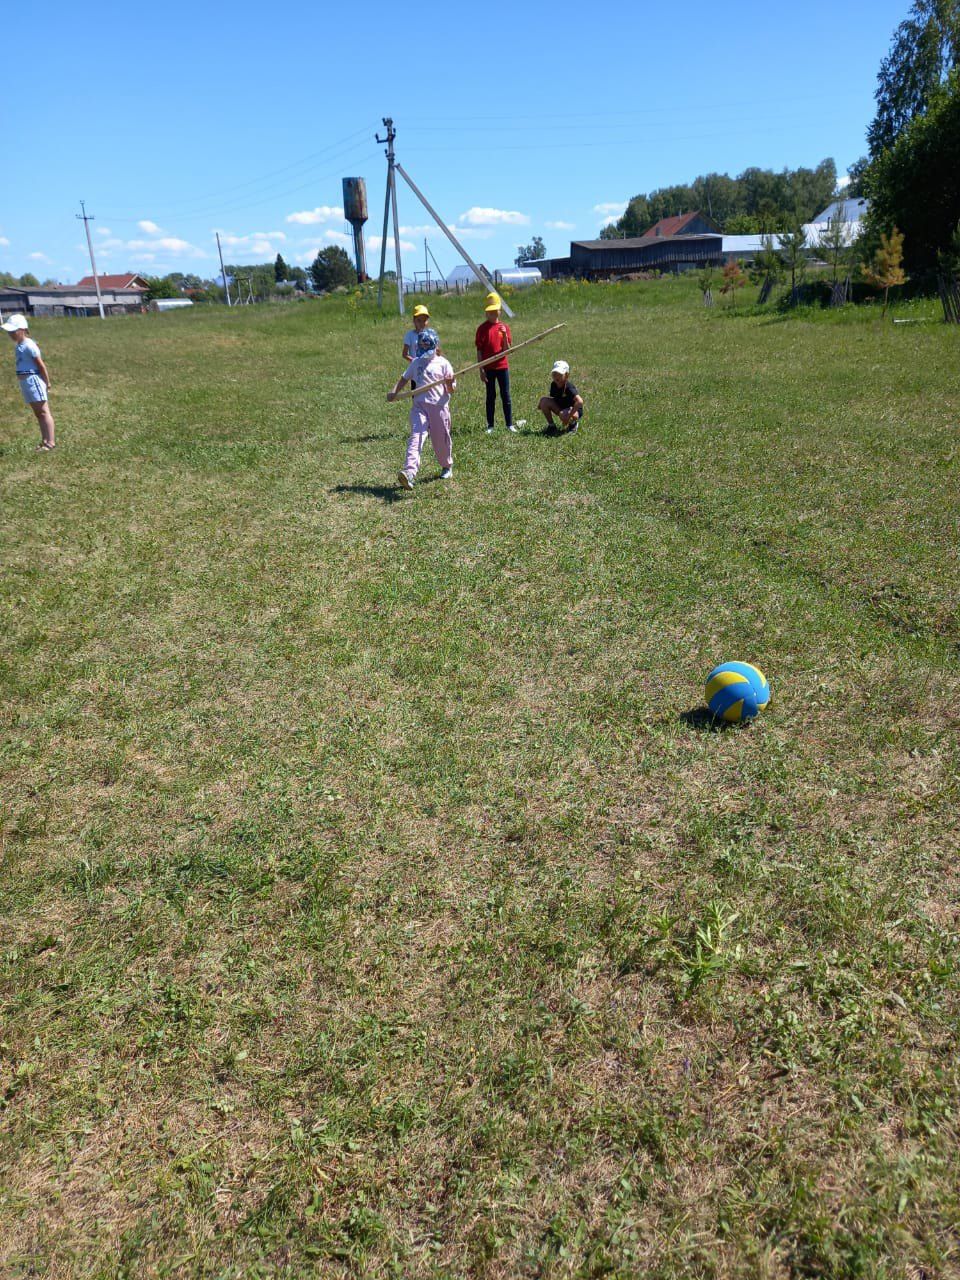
499 377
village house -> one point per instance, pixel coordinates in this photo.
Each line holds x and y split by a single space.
69 300
127 280
684 243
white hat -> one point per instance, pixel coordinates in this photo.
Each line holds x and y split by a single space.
560 366
14 323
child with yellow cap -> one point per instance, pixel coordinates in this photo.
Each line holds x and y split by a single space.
421 318
493 339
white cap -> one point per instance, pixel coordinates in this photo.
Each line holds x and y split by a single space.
560 366
14 323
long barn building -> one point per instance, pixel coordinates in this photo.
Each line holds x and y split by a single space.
688 241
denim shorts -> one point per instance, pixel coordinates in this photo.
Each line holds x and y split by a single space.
33 389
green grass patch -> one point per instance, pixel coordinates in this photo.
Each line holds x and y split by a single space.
373 901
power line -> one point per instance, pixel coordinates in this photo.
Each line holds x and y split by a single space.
484 122
594 144
211 205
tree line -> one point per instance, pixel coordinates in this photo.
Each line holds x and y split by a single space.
911 174
330 269
755 201
27 281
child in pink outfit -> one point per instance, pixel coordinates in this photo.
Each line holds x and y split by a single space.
430 411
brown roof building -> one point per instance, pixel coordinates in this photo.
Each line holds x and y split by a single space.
128 280
684 224
681 243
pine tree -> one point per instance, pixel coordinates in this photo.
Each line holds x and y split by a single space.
885 271
733 279
332 268
793 255
767 268
280 269
835 248
705 279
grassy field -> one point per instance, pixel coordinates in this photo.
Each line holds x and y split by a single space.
375 900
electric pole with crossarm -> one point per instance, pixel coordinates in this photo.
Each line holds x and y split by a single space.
87 219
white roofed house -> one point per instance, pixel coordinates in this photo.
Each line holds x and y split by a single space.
851 212
461 276
745 248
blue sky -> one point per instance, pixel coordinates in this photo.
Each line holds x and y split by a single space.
175 121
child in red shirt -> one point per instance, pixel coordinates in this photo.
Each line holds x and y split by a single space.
492 339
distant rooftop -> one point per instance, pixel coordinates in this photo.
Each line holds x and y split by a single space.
852 210
128 280
669 227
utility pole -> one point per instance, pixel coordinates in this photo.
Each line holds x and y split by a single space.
87 219
226 287
440 276
391 200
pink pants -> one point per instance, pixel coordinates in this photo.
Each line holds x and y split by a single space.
431 420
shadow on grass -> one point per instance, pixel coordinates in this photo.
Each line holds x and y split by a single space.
385 492
382 435
702 718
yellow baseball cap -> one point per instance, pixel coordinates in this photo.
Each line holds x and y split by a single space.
420 310
493 302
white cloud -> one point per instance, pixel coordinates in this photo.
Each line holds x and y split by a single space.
149 250
844 182
612 209
477 217
322 213
260 243
473 233
374 243
172 244
4 242
150 228
561 226
40 257
104 231
338 237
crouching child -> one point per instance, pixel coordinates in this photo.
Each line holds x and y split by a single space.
563 400
429 411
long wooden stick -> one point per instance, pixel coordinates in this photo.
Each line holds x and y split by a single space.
427 386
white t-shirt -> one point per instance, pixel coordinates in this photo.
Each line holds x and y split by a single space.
27 353
431 368
410 343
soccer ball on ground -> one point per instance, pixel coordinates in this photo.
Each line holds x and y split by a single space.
736 691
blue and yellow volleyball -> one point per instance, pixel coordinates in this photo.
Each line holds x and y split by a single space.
736 691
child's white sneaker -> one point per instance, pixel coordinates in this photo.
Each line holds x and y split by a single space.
446 473
489 431
404 481
512 428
